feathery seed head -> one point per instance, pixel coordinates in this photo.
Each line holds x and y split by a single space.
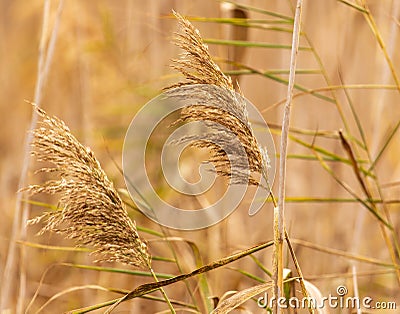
91 211
220 105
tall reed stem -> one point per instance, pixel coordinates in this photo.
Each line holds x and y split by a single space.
279 228
21 210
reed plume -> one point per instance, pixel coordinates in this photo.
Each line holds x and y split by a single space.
90 209
219 107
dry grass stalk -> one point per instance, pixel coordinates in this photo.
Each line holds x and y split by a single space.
21 212
223 111
92 213
279 211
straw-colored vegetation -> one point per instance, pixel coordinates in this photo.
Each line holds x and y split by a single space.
225 111
91 211
94 64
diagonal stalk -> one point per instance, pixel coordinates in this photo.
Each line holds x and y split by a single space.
153 286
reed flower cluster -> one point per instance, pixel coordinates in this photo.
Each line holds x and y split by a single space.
90 209
218 106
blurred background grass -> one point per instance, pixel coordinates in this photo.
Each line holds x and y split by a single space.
112 57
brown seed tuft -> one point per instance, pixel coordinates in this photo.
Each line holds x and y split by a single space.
91 211
221 106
